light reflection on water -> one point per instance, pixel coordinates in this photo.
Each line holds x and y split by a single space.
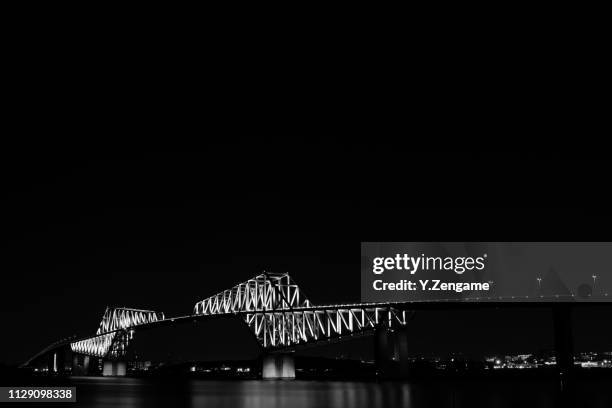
301 394
132 392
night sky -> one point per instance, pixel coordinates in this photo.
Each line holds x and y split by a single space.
161 227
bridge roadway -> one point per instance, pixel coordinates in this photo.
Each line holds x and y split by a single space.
412 306
560 309
281 319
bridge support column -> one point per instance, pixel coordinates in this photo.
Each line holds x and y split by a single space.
562 323
401 340
58 361
383 351
52 362
391 352
114 368
80 365
278 366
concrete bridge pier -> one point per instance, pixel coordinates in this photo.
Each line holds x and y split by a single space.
391 352
401 343
562 324
114 368
80 364
58 361
84 365
278 366
52 362
383 352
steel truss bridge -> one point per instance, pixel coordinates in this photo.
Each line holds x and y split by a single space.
278 314
272 305
115 332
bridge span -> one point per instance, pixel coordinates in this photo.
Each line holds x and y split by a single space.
281 319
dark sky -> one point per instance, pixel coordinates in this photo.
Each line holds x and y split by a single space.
160 227
120 186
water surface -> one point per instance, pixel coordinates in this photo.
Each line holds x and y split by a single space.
100 392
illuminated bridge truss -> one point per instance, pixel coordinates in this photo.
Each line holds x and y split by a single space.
267 291
281 316
282 329
113 334
272 305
